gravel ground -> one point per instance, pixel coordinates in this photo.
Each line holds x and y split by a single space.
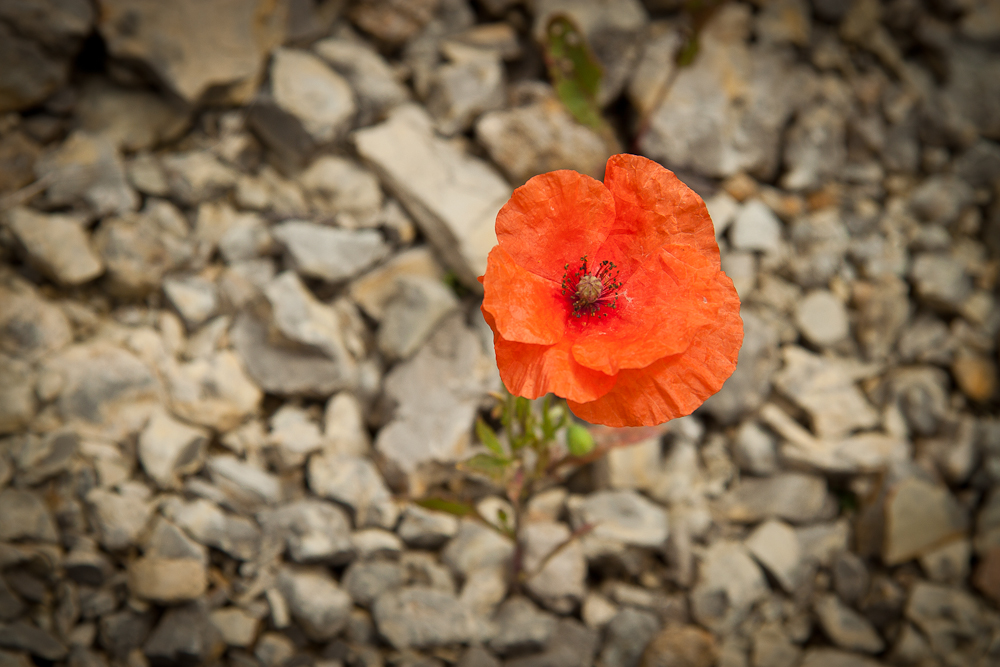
240 332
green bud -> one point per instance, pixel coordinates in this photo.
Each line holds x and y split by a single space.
579 440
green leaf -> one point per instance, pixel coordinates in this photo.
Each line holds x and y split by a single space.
493 467
574 71
449 506
489 438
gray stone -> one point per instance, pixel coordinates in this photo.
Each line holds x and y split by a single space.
822 318
972 87
940 199
169 450
772 648
729 583
119 518
541 136
146 175
131 119
636 467
87 169
41 458
32 74
461 90
725 112
344 428
138 250
476 656
618 517
754 450
845 627
312 530
365 581
413 314
794 497
453 197
184 635
124 631
756 227
748 386
953 621
237 627
56 244
831 657
374 290
30 326
248 484
416 617
822 542
24 636
293 437
741 267
825 389
194 298
167 580
627 636
571 644
815 148
850 577
477 547
210 526
334 255
273 649
521 627
355 482
376 86
213 391
919 517
556 581
940 281
424 529
166 541
948 564
316 602
436 395
25 517
197 176
17 397
342 190
202 53
305 88
283 366
270 193
776 546
882 309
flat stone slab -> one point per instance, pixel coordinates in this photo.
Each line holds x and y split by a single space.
453 196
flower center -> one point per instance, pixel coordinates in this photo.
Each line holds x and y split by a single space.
589 289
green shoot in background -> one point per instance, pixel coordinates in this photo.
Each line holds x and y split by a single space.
575 73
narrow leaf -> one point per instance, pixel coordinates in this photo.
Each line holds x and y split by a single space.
489 438
575 73
493 467
449 506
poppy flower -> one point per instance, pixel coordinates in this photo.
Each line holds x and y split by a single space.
611 295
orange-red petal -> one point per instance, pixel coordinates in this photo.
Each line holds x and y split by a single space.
675 385
653 208
553 220
535 370
526 307
659 308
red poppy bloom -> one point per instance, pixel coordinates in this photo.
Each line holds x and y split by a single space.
610 295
